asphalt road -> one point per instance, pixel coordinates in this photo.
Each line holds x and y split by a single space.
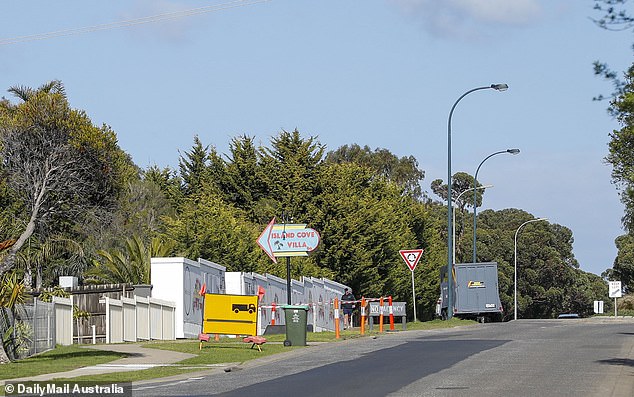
589 357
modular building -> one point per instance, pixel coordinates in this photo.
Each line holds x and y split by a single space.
180 280
317 293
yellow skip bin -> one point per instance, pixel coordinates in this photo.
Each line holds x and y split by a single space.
230 314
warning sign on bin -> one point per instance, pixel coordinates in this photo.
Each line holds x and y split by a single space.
230 314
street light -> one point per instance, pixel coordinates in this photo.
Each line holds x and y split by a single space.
515 255
454 214
475 183
497 87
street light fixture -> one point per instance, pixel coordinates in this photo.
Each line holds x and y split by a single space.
497 87
475 196
515 256
454 214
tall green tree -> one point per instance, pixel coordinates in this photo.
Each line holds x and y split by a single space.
623 268
549 280
240 177
59 164
193 167
290 168
403 171
207 227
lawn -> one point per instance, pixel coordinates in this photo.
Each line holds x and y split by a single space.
60 359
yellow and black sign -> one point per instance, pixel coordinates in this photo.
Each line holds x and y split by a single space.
476 284
230 314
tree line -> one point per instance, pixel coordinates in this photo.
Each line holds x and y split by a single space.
72 202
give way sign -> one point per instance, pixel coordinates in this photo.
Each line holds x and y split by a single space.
411 257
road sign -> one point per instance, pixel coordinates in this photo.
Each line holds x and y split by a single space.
411 257
230 314
286 239
615 289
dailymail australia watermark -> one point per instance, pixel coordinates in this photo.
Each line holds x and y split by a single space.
77 389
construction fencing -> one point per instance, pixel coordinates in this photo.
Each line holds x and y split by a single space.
31 328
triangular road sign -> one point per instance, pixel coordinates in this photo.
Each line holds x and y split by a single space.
411 257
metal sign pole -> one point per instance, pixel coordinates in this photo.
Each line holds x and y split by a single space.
614 307
288 280
413 296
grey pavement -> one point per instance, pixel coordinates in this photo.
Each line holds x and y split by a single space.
139 358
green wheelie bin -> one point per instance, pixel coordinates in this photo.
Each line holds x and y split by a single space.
296 320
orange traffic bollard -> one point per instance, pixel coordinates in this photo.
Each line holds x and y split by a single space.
336 318
273 314
362 316
381 314
389 302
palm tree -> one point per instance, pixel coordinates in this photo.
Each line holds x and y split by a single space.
25 93
132 265
36 255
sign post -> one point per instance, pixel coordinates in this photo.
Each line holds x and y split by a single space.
287 239
411 258
615 292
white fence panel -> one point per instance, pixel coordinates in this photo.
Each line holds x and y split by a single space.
169 322
63 320
129 319
114 321
143 318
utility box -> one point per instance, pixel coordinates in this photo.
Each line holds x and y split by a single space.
476 292
68 282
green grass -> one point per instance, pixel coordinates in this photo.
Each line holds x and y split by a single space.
62 358
227 350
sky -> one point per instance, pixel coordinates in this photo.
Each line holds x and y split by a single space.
381 73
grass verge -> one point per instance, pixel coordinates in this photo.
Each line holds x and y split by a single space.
62 358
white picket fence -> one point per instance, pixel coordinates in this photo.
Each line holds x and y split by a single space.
131 320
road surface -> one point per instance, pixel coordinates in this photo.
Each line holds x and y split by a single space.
573 357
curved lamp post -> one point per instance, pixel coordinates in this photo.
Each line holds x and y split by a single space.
454 214
515 272
497 87
475 196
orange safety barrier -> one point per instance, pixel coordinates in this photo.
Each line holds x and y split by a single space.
391 311
336 303
381 314
362 316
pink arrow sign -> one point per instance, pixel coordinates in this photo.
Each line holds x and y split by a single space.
264 241
288 239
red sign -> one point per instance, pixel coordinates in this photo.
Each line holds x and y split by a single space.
411 257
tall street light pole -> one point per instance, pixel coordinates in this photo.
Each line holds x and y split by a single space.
515 272
454 214
497 87
475 196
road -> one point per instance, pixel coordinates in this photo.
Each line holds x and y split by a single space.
588 357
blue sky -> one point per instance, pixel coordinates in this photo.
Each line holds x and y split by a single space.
382 73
